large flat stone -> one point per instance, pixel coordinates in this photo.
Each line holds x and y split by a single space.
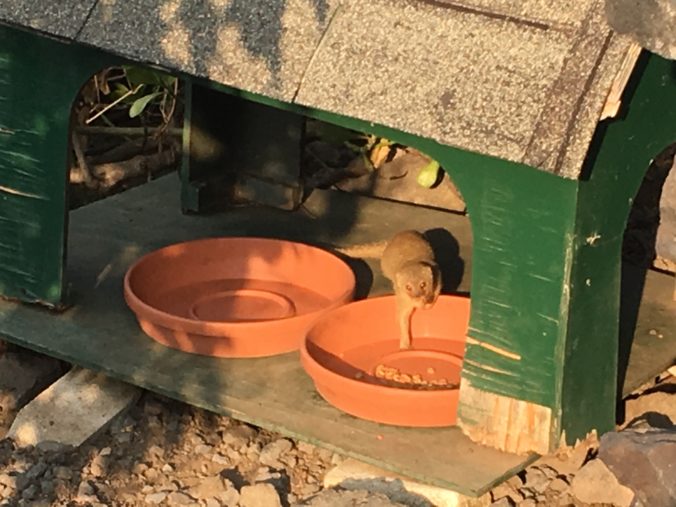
73 409
352 474
644 462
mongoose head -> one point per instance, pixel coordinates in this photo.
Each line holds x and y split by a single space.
419 282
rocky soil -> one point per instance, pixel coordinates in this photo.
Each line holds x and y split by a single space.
162 452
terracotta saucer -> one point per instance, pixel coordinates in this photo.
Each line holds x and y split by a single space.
352 354
235 297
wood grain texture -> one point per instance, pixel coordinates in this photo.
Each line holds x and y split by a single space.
39 79
504 423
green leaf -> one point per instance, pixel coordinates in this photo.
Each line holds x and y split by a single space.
118 91
144 75
140 104
428 174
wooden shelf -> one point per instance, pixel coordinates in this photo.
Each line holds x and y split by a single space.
99 331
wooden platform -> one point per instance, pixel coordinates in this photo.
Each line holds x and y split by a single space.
99 331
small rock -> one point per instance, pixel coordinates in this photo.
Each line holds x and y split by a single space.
151 474
536 479
220 459
209 487
7 480
505 490
122 438
273 451
204 449
549 471
63 473
36 471
643 462
30 492
155 451
503 502
259 495
155 498
595 483
558 485
265 474
212 502
167 468
324 454
528 502
98 466
106 451
85 488
46 486
229 496
178 498
305 447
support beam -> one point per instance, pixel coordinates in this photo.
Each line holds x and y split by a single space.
39 80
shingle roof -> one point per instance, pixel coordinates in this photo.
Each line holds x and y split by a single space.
524 81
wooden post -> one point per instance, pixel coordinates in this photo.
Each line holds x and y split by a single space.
541 359
39 80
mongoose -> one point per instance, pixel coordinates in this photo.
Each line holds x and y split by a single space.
407 260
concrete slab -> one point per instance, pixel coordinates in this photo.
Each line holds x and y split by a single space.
73 409
352 474
23 374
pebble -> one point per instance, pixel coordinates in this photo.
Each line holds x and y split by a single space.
558 484
64 473
271 453
30 492
259 495
220 459
537 480
155 498
208 487
204 449
179 498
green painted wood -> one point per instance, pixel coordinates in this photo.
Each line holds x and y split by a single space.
39 79
618 159
100 332
522 221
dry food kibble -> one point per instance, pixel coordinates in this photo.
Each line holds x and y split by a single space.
399 379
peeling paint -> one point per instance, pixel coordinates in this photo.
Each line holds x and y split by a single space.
492 369
13 191
548 318
591 240
493 348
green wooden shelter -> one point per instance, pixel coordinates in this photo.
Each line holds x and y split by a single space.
545 119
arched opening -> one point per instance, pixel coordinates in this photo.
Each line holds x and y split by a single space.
648 267
402 187
126 128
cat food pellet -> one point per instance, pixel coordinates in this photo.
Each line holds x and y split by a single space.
415 381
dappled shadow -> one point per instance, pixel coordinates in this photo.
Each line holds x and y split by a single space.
101 333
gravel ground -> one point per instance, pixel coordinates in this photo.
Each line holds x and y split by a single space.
163 452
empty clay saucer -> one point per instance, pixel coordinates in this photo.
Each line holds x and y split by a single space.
350 352
235 297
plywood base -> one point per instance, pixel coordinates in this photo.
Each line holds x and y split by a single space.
99 332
